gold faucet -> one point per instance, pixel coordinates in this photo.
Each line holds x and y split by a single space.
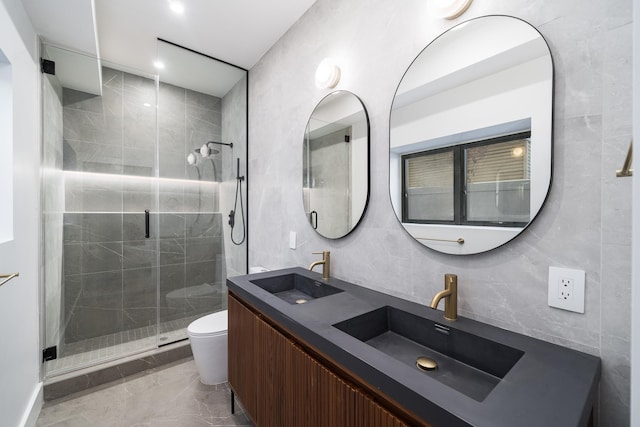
326 263
450 294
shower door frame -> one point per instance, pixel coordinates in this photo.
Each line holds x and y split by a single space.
48 373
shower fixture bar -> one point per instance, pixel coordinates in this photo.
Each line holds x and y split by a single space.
209 143
228 144
626 167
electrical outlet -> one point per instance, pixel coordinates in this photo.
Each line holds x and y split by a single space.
566 289
292 240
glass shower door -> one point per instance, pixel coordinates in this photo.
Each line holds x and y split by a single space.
99 145
195 157
139 176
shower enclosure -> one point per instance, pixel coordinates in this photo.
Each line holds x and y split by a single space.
140 174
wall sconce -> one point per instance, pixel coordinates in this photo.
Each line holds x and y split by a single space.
449 9
327 74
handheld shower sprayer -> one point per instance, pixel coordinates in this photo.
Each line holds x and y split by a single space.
232 214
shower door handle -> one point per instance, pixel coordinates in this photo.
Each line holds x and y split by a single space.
146 224
314 219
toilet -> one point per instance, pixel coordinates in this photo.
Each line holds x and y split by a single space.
208 338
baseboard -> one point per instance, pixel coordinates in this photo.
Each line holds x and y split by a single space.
35 405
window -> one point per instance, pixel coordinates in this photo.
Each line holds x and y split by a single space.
480 183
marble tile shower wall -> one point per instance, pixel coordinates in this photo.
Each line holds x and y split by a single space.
115 134
110 270
110 150
234 129
585 223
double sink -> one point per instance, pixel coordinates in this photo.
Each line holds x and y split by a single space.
470 364
484 376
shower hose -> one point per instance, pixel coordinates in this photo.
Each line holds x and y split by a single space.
232 214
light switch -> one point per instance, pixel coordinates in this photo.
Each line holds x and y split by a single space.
292 240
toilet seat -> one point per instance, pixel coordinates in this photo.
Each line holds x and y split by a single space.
210 325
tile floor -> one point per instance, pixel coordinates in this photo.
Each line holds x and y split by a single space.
171 396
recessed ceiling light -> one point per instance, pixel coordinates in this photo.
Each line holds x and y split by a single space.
176 7
159 65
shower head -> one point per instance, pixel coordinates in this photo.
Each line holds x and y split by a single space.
205 151
192 159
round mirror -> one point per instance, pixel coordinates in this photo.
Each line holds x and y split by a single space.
471 136
335 164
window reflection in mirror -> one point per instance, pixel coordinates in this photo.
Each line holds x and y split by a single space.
470 144
481 183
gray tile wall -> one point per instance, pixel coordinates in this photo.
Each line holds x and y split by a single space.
116 134
234 129
109 267
110 270
585 223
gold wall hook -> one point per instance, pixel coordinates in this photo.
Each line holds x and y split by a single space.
7 277
626 167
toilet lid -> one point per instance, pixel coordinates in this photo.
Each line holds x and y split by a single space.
214 323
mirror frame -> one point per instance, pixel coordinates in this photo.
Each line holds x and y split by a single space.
456 245
368 164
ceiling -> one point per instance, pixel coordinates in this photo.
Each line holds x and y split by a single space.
125 31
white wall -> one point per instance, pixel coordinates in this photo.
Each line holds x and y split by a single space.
635 316
584 224
19 323
6 155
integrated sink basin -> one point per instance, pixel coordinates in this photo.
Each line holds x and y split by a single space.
468 363
295 288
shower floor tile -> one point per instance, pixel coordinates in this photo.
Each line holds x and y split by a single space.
101 349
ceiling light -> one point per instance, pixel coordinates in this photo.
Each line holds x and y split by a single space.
449 9
176 7
327 74
158 64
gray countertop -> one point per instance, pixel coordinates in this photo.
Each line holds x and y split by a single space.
548 386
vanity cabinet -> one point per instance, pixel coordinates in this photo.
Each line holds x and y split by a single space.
280 384
242 339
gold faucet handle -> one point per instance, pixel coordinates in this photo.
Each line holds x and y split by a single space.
323 253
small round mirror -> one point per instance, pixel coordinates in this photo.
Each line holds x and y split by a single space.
335 165
471 136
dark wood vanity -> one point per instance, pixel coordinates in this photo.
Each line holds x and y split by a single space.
282 382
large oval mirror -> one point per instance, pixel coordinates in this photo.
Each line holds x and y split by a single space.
471 136
335 164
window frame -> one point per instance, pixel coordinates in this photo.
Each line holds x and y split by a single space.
459 182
